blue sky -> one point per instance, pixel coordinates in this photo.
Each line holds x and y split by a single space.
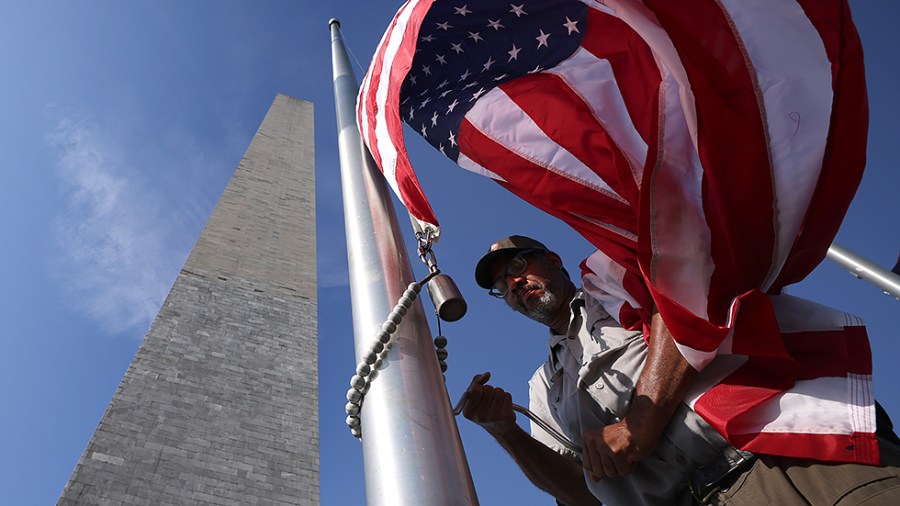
121 123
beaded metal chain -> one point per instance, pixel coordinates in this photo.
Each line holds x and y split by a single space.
377 354
372 360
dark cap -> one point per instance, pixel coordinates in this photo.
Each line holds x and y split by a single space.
504 248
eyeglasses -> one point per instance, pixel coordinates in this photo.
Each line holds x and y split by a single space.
515 267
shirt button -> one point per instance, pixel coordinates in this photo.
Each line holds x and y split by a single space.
680 459
598 386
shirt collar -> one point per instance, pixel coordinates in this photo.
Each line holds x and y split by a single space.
575 321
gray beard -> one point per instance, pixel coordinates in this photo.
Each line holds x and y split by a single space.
545 309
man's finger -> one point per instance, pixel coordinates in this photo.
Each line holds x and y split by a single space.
624 464
590 460
487 395
494 401
480 379
610 467
474 396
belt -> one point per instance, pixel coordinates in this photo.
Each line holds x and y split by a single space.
720 474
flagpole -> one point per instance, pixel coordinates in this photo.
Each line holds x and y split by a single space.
885 280
412 452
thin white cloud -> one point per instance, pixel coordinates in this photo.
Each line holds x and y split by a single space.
116 249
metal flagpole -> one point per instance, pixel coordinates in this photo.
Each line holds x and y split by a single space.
412 452
858 266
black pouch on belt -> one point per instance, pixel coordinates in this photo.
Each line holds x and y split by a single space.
720 474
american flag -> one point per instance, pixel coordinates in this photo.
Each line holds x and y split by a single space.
708 148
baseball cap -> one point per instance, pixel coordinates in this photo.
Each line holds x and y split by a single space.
502 249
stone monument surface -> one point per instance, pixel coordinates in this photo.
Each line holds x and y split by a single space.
220 404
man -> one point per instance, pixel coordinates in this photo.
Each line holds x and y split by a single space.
620 398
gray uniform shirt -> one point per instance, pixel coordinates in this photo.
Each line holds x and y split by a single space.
588 382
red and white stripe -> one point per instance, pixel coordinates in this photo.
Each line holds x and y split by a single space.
827 413
378 108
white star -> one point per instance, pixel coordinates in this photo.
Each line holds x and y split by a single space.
405 100
452 106
427 38
495 24
411 113
444 94
477 94
500 78
462 11
475 36
457 48
542 39
518 10
487 64
535 70
513 53
412 79
427 69
424 102
570 25
434 118
441 149
446 26
473 83
465 75
452 139
423 130
443 83
441 59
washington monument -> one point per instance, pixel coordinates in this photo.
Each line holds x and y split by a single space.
220 404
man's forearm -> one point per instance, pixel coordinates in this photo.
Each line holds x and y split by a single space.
556 474
663 382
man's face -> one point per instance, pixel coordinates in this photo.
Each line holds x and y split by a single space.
535 285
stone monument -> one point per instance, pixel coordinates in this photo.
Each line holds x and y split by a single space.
220 404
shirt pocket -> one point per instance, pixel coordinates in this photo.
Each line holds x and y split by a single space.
608 376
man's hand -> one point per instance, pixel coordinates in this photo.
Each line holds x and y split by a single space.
615 450
488 406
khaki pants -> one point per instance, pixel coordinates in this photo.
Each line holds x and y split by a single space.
784 481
